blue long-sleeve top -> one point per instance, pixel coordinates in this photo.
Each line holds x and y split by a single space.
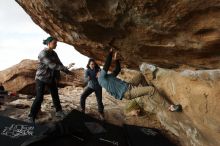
90 77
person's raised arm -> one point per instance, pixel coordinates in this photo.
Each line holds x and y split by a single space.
108 61
117 68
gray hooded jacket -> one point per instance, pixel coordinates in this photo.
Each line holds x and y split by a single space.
49 67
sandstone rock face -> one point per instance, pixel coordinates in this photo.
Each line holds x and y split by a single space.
198 93
167 33
21 77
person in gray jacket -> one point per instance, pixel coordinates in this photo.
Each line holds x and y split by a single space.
92 86
47 74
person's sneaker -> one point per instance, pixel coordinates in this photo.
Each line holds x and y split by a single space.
175 108
60 114
102 116
30 120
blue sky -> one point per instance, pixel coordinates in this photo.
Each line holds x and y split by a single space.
21 38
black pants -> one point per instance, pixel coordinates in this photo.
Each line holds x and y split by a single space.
87 92
40 88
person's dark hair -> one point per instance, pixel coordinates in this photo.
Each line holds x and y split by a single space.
97 68
48 40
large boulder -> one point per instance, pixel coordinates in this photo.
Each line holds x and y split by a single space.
168 33
21 77
198 93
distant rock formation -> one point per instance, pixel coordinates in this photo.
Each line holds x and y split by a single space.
21 77
167 33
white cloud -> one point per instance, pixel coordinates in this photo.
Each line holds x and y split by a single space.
21 38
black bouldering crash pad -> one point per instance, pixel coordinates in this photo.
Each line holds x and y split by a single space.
143 136
15 132
79 129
